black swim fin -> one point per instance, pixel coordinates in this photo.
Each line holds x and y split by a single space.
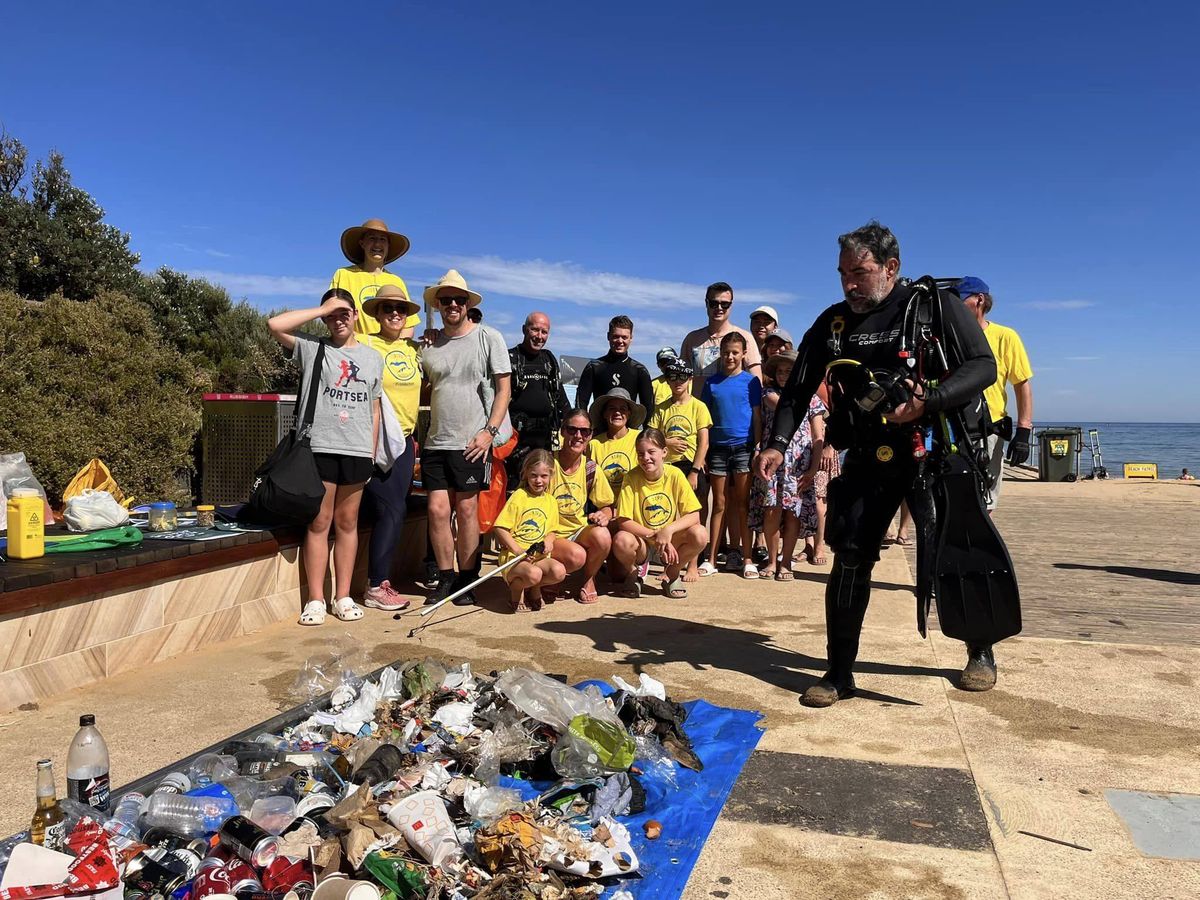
974 584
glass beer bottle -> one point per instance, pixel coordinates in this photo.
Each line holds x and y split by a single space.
49 824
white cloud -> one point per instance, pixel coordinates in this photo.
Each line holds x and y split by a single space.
1058 304
1083 358
207 251
255 286
537 279
587 336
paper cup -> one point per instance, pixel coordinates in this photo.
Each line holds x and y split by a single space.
423 820
339 887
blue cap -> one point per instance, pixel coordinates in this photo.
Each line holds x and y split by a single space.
971 285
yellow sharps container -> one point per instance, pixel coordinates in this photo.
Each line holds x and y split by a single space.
26 524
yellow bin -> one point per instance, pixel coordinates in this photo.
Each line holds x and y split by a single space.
26 524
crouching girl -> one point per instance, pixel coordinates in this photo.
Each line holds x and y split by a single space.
656 510
528 522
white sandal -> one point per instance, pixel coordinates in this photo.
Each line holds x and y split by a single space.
347 610
706 568
313 613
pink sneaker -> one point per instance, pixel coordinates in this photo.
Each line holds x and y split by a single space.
383 597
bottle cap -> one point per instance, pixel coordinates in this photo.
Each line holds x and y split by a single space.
44 763
87 720
25 492
205 507
162 504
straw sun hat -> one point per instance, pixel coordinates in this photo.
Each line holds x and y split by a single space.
397 243
392 293
452 280
637 412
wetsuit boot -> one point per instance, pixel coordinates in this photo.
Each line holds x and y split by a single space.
846 597
980 671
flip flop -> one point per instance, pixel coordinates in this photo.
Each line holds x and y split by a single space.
587 596
902 540
675 589
313 613
815 560
347 610
518 606
784 575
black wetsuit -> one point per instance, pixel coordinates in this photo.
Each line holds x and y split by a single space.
879 470
615 371
537 407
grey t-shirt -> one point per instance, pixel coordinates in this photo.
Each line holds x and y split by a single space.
351 381
460 370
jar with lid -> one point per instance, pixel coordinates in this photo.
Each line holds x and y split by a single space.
206 516
163 516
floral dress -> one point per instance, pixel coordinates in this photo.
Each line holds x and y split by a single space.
784 488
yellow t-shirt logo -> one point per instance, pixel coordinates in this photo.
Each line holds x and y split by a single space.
531 528
657 510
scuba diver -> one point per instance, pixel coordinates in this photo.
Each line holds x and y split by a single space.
906 366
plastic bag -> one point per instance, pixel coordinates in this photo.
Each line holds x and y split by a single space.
541 697
15 473
593 747
647 686
507 742
487 804
95 475
92 510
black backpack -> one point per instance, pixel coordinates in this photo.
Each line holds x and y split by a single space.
287 488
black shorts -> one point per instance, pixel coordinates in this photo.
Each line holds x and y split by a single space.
449 470
337 469
683 465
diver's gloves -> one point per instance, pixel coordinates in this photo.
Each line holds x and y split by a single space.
1018 447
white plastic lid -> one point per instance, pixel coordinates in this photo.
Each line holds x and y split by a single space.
25 492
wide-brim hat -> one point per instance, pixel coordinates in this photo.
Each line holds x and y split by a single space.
771 363
398 244
392 293
637 412
452 280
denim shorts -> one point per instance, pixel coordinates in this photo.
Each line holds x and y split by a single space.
732 460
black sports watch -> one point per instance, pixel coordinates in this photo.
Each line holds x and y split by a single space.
493 430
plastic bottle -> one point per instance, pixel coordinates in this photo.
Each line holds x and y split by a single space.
49 824
189 816
26 524
174 783
87 766
126 814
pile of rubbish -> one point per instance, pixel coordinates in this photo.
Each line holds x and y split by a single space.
425 782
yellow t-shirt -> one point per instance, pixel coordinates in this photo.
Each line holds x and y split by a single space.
401 376
681 420
614 456
528 519
571 493
662 389
654 504
362 286
1012 367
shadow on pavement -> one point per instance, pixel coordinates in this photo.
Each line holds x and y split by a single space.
1138 572
660 640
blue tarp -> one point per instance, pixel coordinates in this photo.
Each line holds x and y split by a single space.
723 739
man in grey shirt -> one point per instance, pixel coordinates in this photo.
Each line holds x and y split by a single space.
468 371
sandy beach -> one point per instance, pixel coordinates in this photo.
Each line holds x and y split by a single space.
914 789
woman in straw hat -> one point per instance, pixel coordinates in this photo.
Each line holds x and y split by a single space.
387 492
616 416
369 247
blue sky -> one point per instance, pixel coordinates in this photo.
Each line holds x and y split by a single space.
591 161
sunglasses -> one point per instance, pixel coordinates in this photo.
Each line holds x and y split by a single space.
389 308
675 377
455 301
719 304
577 430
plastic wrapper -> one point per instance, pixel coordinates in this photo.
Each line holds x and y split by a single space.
654 759
419 678
546 700
399 875
487 804
505 743
647 686
593 747
457 718
16 473
602 860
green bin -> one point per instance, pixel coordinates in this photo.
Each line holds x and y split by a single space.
1058 453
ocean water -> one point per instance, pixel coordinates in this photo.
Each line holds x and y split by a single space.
1173 446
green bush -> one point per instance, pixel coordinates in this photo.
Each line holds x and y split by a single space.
97 379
